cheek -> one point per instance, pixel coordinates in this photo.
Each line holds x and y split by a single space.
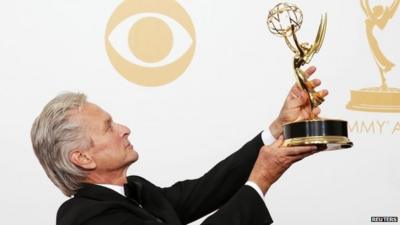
110 159
109 150
108 143
103 152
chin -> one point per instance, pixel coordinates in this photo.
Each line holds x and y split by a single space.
134 157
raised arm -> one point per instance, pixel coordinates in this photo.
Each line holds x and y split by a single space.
366 8
193 199
392 9
387 14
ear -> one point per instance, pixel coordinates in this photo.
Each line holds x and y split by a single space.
82 159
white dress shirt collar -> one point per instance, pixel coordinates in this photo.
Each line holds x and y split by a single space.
116 188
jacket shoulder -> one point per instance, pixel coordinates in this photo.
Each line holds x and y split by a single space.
82 210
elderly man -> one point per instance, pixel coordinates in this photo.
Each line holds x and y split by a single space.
86 155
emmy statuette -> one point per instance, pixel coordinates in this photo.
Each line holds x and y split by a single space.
285 20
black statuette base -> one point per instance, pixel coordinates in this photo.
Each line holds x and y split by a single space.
326 134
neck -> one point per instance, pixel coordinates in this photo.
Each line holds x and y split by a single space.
114 177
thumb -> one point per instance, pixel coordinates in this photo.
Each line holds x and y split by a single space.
278 143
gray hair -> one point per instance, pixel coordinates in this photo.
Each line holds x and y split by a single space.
54 134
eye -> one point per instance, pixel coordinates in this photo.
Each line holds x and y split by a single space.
150 42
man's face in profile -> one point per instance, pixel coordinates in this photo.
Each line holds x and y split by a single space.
110 151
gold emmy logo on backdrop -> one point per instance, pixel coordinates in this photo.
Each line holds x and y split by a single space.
150 40
382 98
285 20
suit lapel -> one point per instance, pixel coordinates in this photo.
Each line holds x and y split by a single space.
145 200
100 193
153 200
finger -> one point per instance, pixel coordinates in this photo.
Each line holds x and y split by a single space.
305 114
309 71
323 93
278 143
300 150
300 157
313 83
316 111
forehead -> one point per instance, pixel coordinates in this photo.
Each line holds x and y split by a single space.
92 114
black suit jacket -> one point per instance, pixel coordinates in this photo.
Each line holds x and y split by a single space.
221 188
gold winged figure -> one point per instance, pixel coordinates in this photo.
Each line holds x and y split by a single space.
304 52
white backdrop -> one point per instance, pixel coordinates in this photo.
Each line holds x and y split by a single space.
232 89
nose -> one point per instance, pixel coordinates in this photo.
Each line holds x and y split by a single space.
125 131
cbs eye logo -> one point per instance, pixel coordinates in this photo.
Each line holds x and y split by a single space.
150 42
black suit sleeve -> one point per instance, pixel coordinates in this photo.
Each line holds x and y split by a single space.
222 185
221 188
244 208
